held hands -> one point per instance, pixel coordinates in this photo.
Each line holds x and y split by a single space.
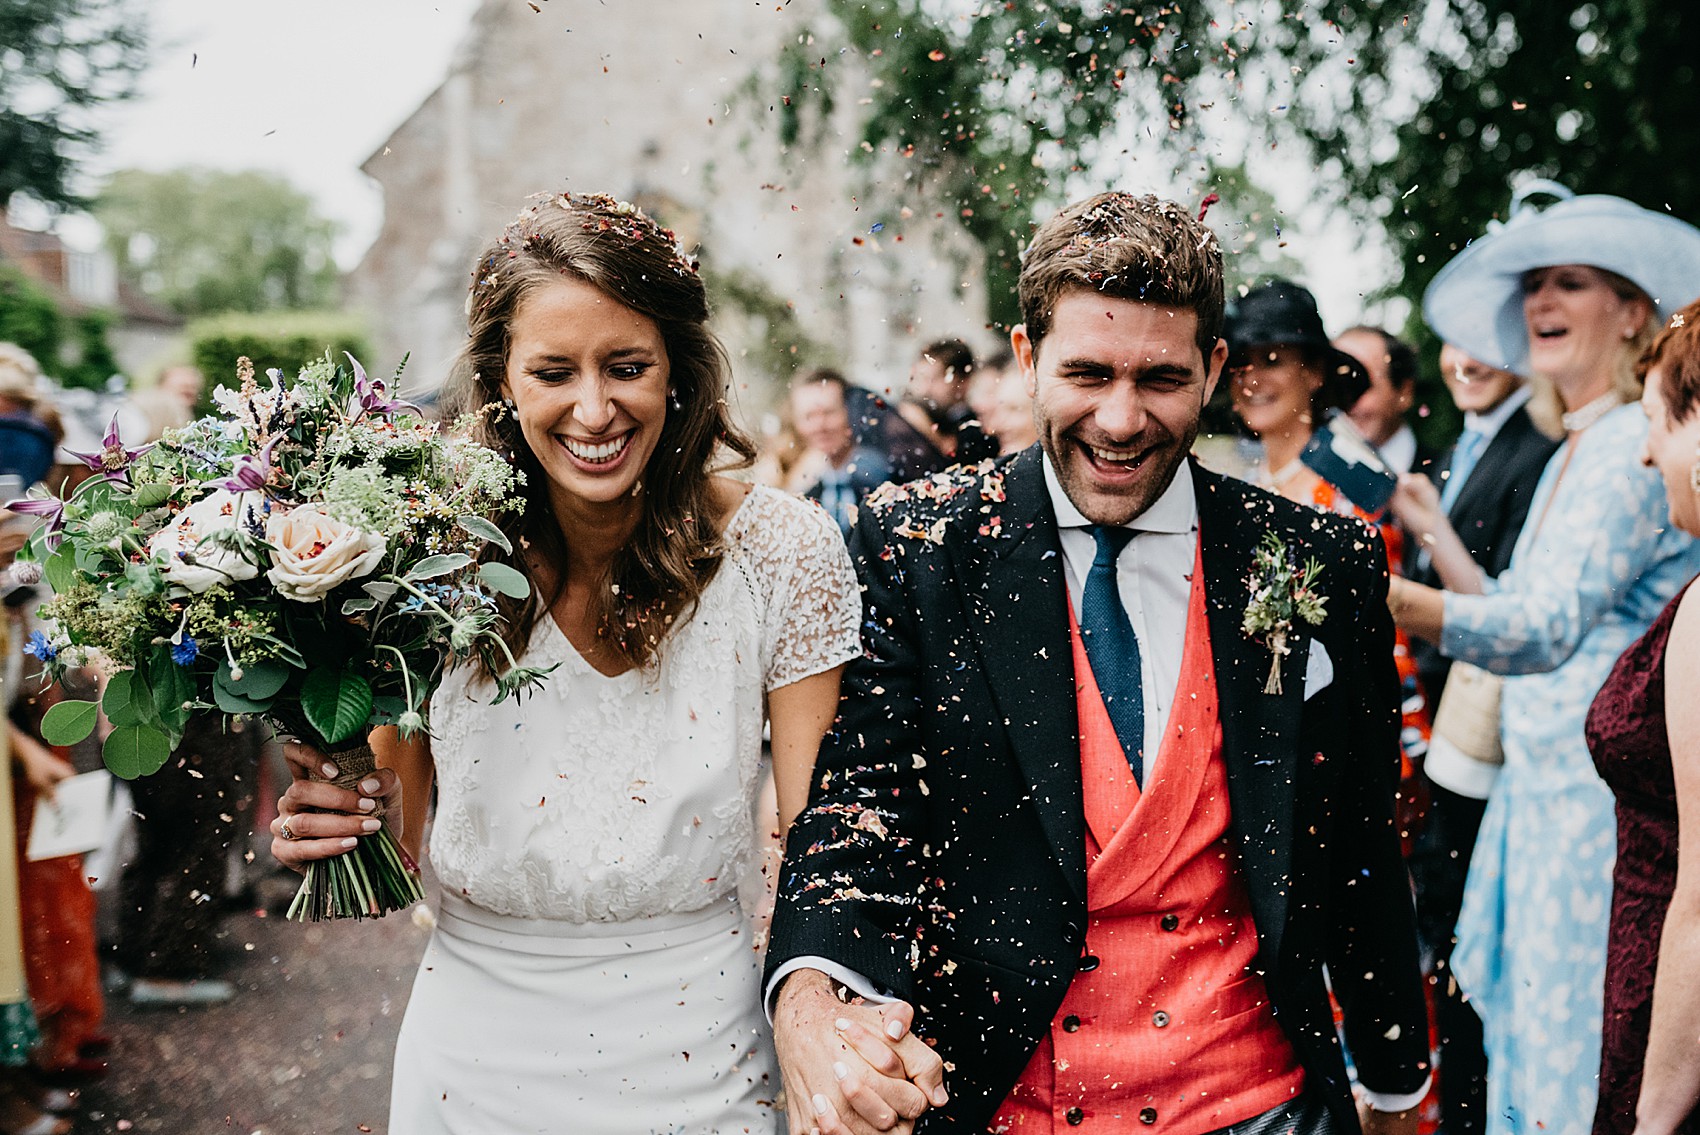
1387 1122
317 820
851 1068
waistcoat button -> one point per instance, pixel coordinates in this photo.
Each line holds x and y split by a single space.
1074 1116
1171 922
1148 1116
1160 1019
1071 1023
1088 964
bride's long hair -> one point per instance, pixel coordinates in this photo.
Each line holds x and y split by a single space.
657 578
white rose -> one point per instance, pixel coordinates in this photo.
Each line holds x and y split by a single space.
312 552
195 565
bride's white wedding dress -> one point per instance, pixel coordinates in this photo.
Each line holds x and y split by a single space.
592 970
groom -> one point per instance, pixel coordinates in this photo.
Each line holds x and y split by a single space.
1079 845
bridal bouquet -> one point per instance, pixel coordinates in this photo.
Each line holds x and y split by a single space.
311 554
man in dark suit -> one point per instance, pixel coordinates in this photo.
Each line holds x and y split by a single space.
1486 482
1379 414
849 472
1093 878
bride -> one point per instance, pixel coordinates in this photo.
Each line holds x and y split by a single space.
591 966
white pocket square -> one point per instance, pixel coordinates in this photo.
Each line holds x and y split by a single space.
1319 670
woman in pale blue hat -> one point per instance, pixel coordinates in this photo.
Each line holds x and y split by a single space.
1572 295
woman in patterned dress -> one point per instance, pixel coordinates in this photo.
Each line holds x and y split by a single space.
1568 296
592 969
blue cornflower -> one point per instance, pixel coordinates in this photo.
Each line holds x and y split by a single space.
185 652
40 647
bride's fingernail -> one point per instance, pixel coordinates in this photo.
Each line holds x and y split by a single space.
328 769
820 1104
367 804
839 1070
350 842
370 785
894 1030
371 825
842 1024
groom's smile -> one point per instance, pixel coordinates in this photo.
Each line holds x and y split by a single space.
1117 390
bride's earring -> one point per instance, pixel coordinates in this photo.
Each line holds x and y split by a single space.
1694 472
673 396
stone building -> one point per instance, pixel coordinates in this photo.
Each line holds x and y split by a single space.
668 103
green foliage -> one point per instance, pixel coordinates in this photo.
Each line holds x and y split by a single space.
783 345
63 59
203 241
29 317
68 722
285 340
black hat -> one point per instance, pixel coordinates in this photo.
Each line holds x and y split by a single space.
1282 314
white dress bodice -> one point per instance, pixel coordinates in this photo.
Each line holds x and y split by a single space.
607 799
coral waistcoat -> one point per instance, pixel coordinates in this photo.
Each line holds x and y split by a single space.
1167 1027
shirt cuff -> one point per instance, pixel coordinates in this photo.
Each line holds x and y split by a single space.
1391 1102
846 977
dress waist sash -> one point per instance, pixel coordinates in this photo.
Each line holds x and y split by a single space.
468 921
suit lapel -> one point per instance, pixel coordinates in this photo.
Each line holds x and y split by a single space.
1017 597
1259 731
1493 457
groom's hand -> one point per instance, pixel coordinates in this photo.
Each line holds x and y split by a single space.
850 1068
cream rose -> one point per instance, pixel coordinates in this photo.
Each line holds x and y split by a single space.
313 552
196 565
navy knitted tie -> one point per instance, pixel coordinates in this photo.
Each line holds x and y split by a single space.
1113 649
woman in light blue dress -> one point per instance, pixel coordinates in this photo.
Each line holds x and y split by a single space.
1571 295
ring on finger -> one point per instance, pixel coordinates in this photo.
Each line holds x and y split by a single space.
286 831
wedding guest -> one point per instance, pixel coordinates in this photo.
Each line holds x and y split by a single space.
1644 732
1487 481
1570 295
1380 412
847 472
939 380
1012 414
591 965
1285 380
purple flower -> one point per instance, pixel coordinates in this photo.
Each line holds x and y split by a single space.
184 653
373 393
113 460
251 471
40 647
50 509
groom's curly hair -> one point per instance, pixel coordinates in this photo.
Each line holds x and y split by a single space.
1143 249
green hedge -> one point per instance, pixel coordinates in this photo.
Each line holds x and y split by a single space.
287 340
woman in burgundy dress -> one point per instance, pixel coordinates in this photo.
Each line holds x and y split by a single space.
1644 732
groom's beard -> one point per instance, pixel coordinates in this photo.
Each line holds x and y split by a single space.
1113 493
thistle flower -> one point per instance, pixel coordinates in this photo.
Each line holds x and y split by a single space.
113 460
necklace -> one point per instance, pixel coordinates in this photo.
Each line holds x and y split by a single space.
1580 419
1285 473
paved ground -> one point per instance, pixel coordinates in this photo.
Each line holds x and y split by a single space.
303 1050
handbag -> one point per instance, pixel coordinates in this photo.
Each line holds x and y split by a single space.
1465 754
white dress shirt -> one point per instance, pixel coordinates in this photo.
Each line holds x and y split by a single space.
1400 450
1154 577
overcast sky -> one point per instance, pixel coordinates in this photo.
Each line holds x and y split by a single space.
308 88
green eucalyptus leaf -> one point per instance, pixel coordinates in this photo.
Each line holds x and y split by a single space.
486 531
119 699
337 703
358 606
504 580
432 566
136 750
69 722
381 590
261 680
229 701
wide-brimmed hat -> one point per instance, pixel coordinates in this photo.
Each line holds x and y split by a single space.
1282 314
1476 301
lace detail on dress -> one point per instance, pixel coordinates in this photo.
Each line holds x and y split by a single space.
605 799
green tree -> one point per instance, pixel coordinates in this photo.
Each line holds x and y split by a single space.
203 241
1419 123
59 61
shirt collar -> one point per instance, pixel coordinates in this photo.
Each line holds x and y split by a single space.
1490 423
1176 511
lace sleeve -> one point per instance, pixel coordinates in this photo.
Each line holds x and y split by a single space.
812 604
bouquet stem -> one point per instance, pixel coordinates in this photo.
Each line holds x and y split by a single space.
369 881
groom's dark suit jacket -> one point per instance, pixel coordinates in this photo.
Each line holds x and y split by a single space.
942 854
